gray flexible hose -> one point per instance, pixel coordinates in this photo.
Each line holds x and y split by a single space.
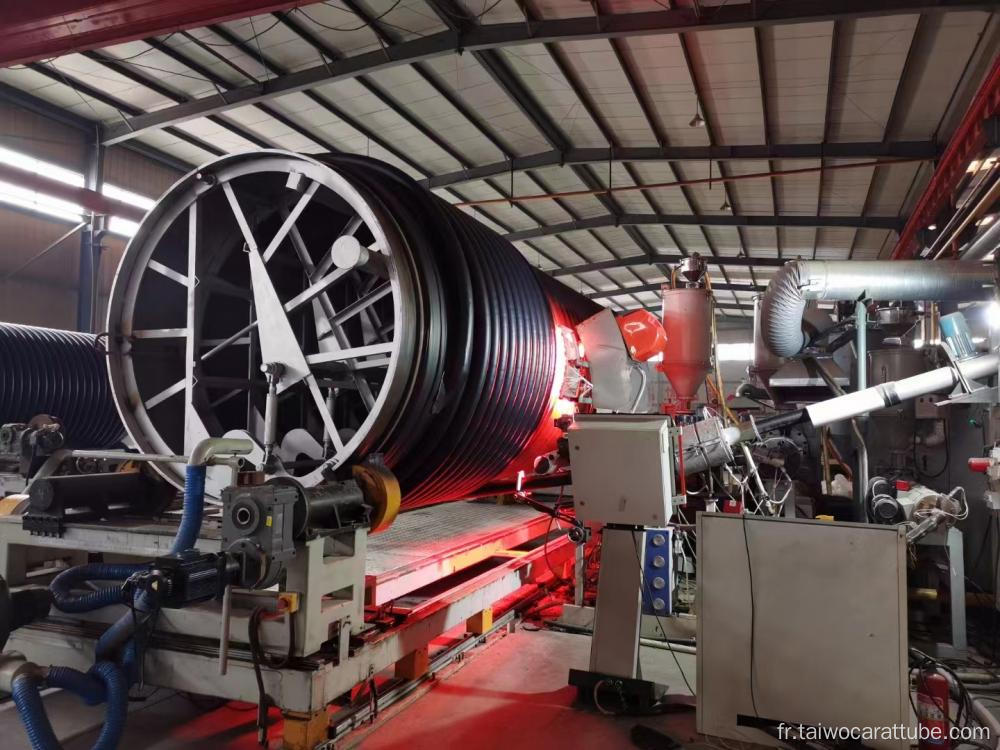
797 282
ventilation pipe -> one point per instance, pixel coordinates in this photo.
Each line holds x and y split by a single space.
707 443
987 242
798 282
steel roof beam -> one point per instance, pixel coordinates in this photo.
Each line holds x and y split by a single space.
555 158
424 72
727 191
720 306
493 63
124 108
831 79
66 117
123 69
474 38
216 80
721 286
661 258
705 220
898 106
766 114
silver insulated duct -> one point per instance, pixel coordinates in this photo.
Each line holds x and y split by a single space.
799 281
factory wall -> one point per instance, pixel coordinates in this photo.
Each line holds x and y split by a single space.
45 293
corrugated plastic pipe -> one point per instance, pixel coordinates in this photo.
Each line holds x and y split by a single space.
800 281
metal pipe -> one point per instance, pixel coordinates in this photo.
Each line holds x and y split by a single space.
861 343
679 648
861 357
752 469
798 282
975 190
889 394
208 448
984 204
984 244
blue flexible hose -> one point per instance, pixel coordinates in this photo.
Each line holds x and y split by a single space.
104 681
83 685
194 507
116 689
111 642
64 583
32 712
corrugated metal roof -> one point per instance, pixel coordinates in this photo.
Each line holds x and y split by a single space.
876 80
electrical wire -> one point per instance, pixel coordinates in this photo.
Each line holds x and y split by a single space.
256 35
947 456
260 658
145 51
363 25
476 17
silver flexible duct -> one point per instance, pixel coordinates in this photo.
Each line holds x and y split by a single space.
799 281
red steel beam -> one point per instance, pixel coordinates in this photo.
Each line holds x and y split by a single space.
41 29
965 145
90 200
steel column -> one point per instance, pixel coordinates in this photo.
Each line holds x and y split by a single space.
90 244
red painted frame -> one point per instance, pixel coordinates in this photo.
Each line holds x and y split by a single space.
964 146
32 31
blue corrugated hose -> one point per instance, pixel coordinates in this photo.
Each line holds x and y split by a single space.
114 638
104 681
64 583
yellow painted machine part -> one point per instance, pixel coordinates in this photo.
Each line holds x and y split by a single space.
381 491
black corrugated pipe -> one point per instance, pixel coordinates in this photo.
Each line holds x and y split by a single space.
798 282
62 374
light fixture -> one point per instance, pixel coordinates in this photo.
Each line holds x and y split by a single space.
726 206
988 219
697 121
932 227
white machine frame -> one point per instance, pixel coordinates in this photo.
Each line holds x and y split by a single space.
330 580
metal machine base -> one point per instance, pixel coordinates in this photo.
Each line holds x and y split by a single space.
337 646
616 694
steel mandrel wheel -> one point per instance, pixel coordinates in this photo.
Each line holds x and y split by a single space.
404 327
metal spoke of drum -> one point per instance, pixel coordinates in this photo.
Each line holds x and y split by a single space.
329 333
278 342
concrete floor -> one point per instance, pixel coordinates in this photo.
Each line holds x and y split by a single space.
512 692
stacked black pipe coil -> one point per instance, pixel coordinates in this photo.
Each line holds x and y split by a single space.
486 357
62 374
